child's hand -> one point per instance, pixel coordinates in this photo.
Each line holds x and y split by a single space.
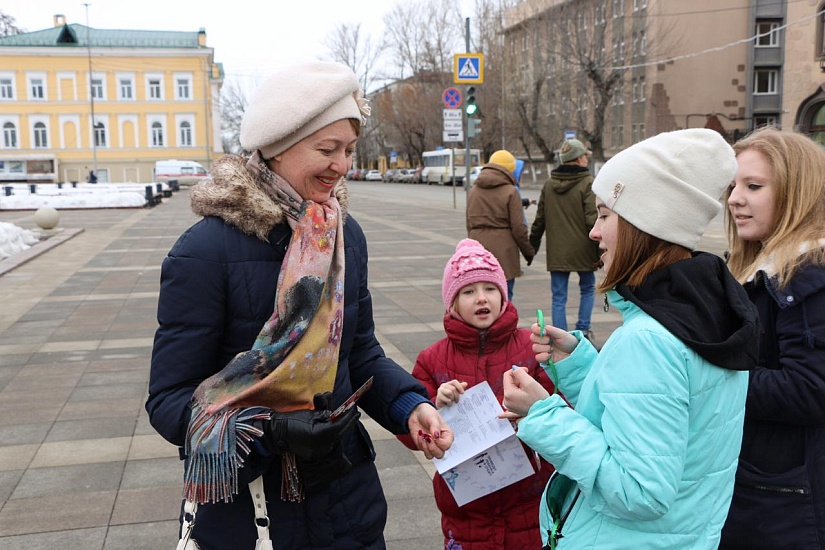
556 342
520 392
449 392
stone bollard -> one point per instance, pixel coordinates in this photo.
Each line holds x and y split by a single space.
46 217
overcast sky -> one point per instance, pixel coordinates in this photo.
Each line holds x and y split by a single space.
250 37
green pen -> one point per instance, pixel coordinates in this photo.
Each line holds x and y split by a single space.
554 376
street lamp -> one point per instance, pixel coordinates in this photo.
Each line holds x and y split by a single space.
91 92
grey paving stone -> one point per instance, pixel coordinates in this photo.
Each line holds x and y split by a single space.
92 428
108 391
142 536
69 480
24 434
71 539
156 472
8 481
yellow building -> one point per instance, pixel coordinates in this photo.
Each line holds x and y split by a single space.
74 99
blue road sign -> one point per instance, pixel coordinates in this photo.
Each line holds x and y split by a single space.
451 98
468 68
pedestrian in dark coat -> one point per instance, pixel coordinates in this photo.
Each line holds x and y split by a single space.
495 217
776 228
248 392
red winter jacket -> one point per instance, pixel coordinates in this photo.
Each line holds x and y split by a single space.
509 518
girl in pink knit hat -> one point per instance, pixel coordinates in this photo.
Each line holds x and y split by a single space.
483 341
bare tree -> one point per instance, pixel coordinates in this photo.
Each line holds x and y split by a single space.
349 45
233 106
8 25
576 71
422 36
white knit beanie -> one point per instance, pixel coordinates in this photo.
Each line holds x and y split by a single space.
669 185
297 101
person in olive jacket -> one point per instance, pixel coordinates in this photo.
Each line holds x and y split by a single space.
495 216
566 213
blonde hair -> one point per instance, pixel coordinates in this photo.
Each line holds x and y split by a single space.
798 175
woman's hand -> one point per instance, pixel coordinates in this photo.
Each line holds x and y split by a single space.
449 392
555 342
431 434
520 392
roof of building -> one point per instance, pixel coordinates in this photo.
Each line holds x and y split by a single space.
76 35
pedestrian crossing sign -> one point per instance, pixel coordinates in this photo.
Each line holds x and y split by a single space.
468 68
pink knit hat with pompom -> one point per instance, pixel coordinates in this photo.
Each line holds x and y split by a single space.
471 263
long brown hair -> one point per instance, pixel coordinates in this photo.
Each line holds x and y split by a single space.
798 166
637 255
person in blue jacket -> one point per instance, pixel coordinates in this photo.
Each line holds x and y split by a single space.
266 328
646 450
776 230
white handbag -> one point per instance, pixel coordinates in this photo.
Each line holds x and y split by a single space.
256 489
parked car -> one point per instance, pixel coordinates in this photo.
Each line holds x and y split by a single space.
373 175
400 176
417 175
389 174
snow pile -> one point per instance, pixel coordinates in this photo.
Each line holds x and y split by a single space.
73 201
14 239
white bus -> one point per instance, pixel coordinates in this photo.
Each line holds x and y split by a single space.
438 165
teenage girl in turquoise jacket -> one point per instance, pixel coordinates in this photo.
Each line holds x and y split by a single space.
646 456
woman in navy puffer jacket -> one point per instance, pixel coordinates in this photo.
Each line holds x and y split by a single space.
220 352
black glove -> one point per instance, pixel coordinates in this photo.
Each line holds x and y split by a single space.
317 474
309 435
529 261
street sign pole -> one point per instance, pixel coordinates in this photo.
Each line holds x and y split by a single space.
466 120
452 176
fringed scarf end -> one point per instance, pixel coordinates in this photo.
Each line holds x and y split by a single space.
217 446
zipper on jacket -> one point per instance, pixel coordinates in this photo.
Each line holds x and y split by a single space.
776 488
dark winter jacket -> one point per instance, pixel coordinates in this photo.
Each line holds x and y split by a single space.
217 290
507 519
779 498
566 214
495 218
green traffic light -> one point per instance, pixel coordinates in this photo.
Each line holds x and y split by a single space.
471 109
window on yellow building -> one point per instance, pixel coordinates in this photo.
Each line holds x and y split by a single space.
155 89
41 138
97 88
157 134
37 88
183 88
9 135
6 88
126 88
100 135
185 134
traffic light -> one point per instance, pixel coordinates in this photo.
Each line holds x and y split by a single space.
470 106
473 127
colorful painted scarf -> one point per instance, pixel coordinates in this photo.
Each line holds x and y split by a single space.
294 357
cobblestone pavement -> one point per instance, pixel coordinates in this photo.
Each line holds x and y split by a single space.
80 466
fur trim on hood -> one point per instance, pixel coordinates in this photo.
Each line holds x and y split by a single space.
235 195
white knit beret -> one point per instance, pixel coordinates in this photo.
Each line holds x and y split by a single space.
297 101
669 185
